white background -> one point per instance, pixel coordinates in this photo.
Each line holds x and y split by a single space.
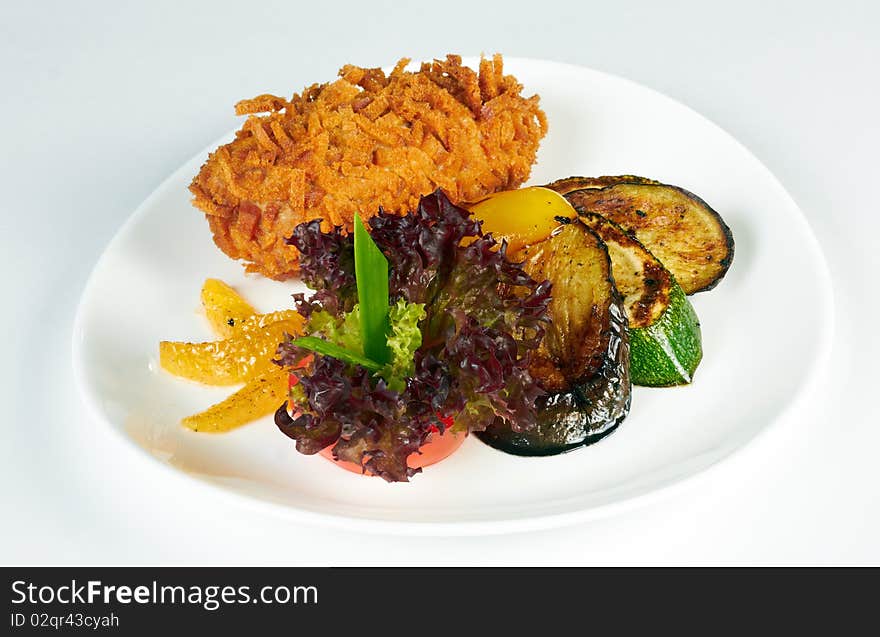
100 101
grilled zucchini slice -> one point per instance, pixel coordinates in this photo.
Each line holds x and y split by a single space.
679 228
583 361
664 331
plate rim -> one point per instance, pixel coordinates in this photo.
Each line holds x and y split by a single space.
511 524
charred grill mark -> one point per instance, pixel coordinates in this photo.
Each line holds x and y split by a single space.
655 293
649 285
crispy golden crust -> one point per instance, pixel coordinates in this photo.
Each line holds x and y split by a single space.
364 141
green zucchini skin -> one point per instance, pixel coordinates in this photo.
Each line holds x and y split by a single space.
583 363
667 352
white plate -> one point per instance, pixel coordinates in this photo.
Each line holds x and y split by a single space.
145 288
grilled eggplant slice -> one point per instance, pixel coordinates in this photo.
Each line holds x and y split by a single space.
679 228
664 331
583 361
569 184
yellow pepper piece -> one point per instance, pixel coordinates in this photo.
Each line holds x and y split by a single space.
261 396
224 306
523 217
226 362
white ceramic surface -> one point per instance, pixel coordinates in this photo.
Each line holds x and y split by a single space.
145 288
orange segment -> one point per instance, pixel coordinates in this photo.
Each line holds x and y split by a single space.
223 306
261 396
245 355
227 362
259 322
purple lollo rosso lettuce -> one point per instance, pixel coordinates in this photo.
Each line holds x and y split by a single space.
483 316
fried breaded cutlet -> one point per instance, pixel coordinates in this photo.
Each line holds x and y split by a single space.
366 140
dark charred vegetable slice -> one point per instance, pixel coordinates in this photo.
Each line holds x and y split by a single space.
679 228
569 184
640 277
583 360
664 332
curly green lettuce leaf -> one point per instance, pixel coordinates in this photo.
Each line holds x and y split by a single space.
404 338
343 330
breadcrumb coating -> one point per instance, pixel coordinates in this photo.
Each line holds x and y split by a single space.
364 141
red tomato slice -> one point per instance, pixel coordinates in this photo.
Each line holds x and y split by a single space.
438 447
